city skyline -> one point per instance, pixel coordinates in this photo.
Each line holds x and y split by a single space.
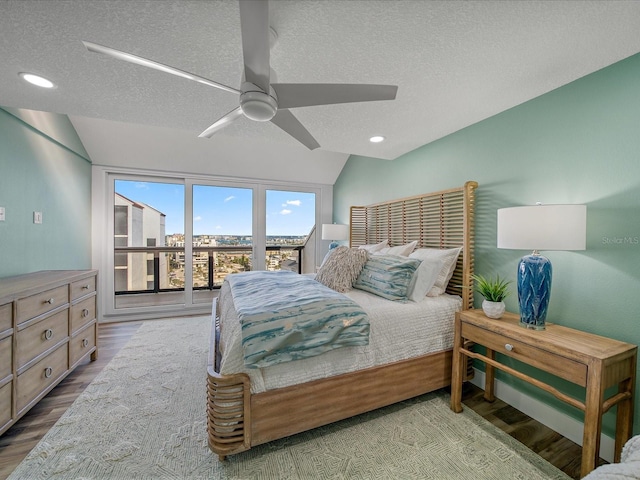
221 210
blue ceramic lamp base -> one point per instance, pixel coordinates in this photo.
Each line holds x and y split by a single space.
534 290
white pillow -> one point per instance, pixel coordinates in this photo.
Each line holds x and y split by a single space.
425 278
372 248
401 250
449 257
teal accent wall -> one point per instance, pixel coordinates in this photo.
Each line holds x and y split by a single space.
49 173
577 144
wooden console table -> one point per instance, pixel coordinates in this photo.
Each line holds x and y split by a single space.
591 361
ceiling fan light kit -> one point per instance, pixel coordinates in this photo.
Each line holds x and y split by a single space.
257 105
260 100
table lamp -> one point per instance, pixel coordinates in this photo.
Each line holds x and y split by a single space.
334 232
539 227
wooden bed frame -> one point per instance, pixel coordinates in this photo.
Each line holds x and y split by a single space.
238 420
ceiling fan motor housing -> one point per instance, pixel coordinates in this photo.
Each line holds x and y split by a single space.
256 104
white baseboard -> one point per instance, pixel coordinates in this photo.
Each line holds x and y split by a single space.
560 422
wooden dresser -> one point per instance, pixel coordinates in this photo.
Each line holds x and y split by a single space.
47 326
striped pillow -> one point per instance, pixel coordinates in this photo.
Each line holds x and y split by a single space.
388 276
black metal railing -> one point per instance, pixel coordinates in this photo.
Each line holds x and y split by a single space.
156 285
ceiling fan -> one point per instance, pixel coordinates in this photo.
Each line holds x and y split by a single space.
261 100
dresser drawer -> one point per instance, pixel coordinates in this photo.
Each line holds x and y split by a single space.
82 343
83 287
42 302
6 348
41 376
560 366
5 403
39 337
82 313
6 317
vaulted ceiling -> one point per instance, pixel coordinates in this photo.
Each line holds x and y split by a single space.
454 62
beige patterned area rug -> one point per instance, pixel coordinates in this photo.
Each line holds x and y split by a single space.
143 417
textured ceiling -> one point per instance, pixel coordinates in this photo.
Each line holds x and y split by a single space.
455 63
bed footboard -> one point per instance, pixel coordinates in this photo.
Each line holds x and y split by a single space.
228 413
228 402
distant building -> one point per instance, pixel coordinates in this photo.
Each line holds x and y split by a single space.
137 224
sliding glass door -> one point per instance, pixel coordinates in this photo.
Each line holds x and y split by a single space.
222 235
148 218
172 241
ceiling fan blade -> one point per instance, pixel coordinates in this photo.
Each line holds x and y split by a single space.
292 95
254 23
223 122
131 58
290 124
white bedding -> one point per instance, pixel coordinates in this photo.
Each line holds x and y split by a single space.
398 331
627 469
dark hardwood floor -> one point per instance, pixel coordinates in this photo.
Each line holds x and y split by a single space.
16 442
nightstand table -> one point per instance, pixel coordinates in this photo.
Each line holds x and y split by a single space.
591 361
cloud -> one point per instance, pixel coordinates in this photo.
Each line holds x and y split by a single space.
142 185
297 203
229 198
197 218
218 227
285 211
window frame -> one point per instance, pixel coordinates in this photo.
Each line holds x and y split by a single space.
103 191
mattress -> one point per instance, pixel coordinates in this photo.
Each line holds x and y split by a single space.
398 331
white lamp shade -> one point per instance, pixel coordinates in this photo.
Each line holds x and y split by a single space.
543 227
334 231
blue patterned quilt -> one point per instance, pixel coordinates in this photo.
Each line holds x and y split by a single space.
286 316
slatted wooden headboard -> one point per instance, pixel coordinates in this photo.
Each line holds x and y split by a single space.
442 219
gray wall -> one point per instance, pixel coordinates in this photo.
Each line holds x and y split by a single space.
577 144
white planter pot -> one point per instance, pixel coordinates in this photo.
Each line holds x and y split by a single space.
493 309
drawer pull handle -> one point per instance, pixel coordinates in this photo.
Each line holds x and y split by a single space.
86 287
50 301
85 312
48 372
48 333
508 347
85 342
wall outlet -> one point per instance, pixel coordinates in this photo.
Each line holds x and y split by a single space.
37 217
1 214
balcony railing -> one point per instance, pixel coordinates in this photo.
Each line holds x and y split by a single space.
161 269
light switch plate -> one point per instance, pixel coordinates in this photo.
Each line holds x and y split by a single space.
37 217
1 214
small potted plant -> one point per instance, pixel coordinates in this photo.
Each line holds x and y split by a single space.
494 293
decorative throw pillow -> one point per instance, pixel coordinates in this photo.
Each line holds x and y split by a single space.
372 248
425 278
402 250
449 257
388 276
341 268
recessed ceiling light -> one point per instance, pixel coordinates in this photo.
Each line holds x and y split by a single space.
376 139
37 80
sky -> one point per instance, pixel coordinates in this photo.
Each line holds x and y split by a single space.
223 210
